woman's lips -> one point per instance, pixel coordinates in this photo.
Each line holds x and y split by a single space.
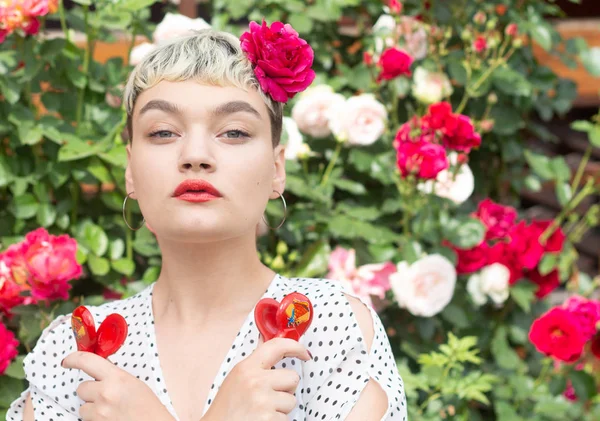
197 197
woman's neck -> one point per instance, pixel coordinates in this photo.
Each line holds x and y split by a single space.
200 283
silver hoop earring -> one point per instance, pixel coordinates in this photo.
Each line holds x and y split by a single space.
284 213
125 217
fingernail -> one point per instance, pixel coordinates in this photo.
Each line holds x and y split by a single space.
309 354
61 363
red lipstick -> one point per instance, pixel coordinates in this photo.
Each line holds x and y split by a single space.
196 191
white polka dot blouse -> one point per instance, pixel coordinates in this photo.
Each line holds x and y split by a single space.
330 383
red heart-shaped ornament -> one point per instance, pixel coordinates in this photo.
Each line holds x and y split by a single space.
289 318
106 341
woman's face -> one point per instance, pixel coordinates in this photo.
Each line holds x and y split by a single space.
187 130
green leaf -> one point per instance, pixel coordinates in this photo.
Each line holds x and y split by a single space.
343 226
124 266
563 192
548 263
507 120
542 35
512 82
584 385
15 369
10 389
96 239
505 356
314 260
46 215
557 384
25 206
410 250
464 231
523 293
533 183
98 265
591 60
30 133
10 89
456 315
117 248
301 23
350 186
540 164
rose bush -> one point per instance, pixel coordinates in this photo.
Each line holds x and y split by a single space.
403 182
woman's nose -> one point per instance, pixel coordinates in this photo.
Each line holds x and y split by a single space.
196 155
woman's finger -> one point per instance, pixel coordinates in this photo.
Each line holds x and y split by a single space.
87 411
284 380
88 390
93 365
284 402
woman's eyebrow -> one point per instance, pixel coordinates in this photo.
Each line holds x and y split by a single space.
235 107
220 111
161 105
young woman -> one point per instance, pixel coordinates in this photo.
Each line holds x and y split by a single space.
204 158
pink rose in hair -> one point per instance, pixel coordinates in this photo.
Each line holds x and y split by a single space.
282 60
8 348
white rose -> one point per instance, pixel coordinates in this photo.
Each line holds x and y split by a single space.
139 52
361 120
292 138
385 25
415 37
430 87
174 25
312 109
493 282
426 287
456 188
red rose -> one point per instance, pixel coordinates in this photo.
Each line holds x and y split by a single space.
504 253
555 241
8 347
469 261
480 44
463 137
422 158
439 117
525 241
282 60
596 345
556 334
546 283
394 62
497 218
412 131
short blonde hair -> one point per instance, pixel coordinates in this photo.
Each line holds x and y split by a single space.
206 56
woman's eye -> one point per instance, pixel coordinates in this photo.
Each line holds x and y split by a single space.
161 134
237 134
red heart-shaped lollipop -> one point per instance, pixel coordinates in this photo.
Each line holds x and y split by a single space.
288 319
106 341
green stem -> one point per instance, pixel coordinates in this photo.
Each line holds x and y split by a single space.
332 162
86 67
75 208
581 168
583 193
63 20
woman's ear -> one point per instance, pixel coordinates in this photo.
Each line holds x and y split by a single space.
129 186
279 175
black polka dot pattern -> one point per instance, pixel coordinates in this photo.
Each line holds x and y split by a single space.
330 384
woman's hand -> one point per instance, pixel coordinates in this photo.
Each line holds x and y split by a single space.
115 395
252 391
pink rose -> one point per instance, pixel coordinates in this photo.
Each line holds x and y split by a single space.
46 262
365 281
394 62
497 218
282 60
587 313
480 44
8 348
422 158
40 7
512 30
